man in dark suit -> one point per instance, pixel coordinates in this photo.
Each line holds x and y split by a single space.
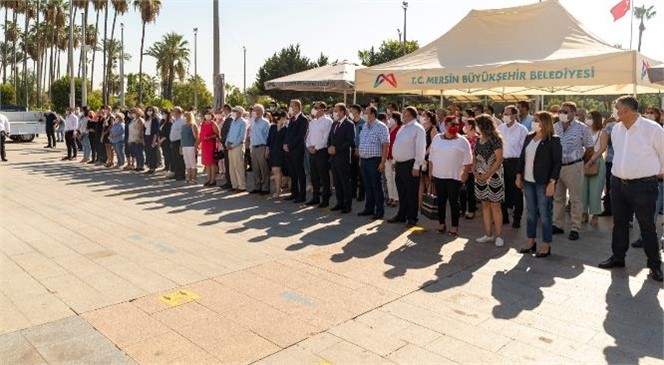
51 119
225 128
341 145
294 148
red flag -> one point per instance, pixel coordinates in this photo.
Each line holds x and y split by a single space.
620 9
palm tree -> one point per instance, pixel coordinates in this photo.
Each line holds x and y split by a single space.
114 50
97 5
4 48
218 86
54 14
12 33
149 11
83 5
29 12
172 55
119 7
642 14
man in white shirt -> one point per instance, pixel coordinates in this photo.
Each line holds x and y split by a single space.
514 134
319 159
638 160
408 152
175 136
5 130
71 125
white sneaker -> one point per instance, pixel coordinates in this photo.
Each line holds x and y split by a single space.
485 239
500 242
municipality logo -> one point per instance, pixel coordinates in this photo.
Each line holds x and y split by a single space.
389 78
644 69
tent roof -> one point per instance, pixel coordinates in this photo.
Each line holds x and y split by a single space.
335 77
656 74
541 48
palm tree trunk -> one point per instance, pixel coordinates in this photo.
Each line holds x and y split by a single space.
109 66
25 60
642 27
4 51
140 68
169 85
105 80
15 68
38 63
94 54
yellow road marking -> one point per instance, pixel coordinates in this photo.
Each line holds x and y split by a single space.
178 298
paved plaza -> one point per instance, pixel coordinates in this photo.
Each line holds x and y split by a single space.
101 266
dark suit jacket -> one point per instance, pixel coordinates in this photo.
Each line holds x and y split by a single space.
154 127
296 133
342 137
548 159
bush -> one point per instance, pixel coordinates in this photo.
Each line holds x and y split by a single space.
161 103
7 94
60 93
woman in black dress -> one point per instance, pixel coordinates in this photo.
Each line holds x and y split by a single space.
275 153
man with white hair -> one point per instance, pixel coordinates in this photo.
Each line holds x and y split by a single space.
235 147
260 128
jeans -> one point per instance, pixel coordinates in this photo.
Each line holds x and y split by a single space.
658 204
607 187
85 141
540 206
373 186
638 196
119 151
448 189
50 136
136 151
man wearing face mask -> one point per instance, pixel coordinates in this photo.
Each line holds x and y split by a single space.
373 148
357 187
577 142
524 115
294 148
225 128
341 144
514 134
259 130
175 137
319 159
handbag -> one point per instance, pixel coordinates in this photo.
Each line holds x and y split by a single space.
430 206
593 170
219 154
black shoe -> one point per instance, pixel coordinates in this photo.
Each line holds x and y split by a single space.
150 172
605 214
516 224
573 235
557 230
227 186
411 224
4 159
543 254
313 202
532 249
376 217
611 262
364 213
49 146
360 199
265 192
324 204
346 210
506 221
336 207
290 197
299 200
396 220
255 191
656 274
637 244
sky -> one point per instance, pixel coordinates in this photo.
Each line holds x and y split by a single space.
339 28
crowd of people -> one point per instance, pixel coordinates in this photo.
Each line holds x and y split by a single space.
548 162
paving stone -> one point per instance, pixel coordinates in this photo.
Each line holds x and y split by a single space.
364 336
346 353
411 354
161 349
16 349
243 348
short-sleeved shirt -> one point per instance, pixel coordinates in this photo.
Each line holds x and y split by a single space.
449 156
574 140
488 149
372 139
609 147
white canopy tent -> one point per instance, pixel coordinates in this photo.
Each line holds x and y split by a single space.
337 77
656 74
538 49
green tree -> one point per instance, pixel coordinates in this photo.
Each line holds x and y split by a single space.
60 93
162 103
642 13
7 95
389 50
172 55
322 60
148 85
235 96
183 93
149 10
287 61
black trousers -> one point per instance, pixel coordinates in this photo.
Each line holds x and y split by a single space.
50 136
341 174
178 160
101 151
3 153
71 144
407 187
640 197
356 178
607 197
319 165
296 170
513 195
467 195
150 152
448 190
168 158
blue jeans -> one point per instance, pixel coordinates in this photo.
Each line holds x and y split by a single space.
137 153
658 204
119 151
373 186
538 205
85 141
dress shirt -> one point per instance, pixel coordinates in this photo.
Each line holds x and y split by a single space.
449 157
237 133
639 150
83 125
148 126
176 130
71 123
574 140
4 124
319 132
513 138
358 128
527 121
410 144
372 138
259 131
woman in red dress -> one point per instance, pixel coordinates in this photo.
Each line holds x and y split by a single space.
208 137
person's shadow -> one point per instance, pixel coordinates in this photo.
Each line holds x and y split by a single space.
420 251
635 322
520 288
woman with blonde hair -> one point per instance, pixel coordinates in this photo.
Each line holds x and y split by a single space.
189 142
537 173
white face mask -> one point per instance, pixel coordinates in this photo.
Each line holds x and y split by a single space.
391 122
419 119
208 117
466 129
535 127
254 115
563 117
507 118
335 116
589 122
314 112
291 111
234 115
650 116
614 114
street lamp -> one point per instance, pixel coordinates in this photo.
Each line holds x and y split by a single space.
244 88
404 5
122 56
84 59
195 68
399 33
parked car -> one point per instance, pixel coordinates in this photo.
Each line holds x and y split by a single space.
26 125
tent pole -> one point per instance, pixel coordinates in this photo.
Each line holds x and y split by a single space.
345 97
354 97
442 100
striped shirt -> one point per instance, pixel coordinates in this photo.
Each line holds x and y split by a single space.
372 138
574 139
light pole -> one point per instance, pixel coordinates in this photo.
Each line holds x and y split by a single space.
70 55
122 86
405 8
195 68
84 71
399 33
244 88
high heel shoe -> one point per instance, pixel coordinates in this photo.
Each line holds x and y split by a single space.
442 228
532 249
543 254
